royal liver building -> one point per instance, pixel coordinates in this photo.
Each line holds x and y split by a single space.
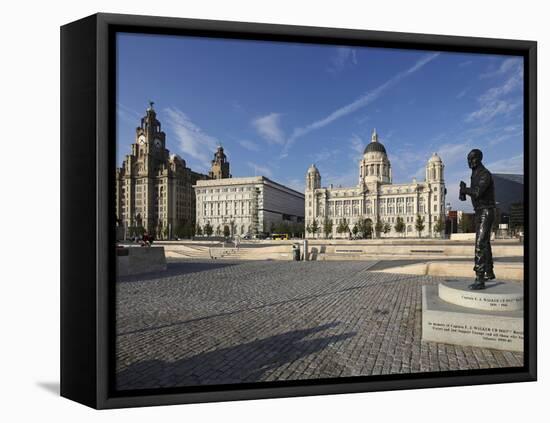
377 199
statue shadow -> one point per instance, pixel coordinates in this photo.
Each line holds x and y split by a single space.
245 363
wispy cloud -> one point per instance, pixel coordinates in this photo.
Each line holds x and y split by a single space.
465 63
344 179
343 57
249 145
498 100
506 66
324 155
455 152
127 114
296 184
357 147
260 170
462 93
269 128
359 103
191 139
511 165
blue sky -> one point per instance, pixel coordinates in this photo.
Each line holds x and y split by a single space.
278 107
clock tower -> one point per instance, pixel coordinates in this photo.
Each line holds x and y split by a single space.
155 189
149 136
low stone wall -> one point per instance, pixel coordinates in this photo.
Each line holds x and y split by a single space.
508 271
448 249
137 260
468 236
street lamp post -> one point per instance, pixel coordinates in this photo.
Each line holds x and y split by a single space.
449 208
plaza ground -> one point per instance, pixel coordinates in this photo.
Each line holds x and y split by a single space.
207 322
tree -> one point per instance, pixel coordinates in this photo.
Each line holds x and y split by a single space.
466 223
208 229
297 229
387 228
343 227
166 232
198 230
188 229
379 227
399 225
179 230
327 227
226 231
355 230
136 231
419 224
439 225
361 224
314 227
308 228
367 228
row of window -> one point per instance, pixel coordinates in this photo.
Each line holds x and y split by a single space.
215 190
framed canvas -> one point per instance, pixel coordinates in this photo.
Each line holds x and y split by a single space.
257 211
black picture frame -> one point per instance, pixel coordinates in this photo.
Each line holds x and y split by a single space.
87 187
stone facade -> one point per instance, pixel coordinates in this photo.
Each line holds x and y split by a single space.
154 189
377 198
248 206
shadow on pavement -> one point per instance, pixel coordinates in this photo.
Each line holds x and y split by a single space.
248 362
263 306
176 269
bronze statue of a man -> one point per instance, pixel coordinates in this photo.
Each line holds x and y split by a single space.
482 193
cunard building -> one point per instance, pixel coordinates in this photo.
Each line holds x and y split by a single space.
376 198
154 189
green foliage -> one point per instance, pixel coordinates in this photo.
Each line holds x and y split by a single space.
355 230
364 226
343 227
298 229
379 227
439 225
314 227
226 231
327 227
198 230
399 225
387 228
419 224
135 231
208 229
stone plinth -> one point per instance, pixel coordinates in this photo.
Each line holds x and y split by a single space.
498 296
491 318
137 260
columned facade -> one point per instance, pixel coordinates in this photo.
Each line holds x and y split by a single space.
377 199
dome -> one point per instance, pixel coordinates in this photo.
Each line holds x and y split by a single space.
435 159
375 146
313 169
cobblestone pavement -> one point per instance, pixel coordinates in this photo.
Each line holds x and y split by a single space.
204 322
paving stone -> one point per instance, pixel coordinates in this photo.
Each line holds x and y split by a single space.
204 322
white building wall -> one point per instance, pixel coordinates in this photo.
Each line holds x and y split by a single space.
246 204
